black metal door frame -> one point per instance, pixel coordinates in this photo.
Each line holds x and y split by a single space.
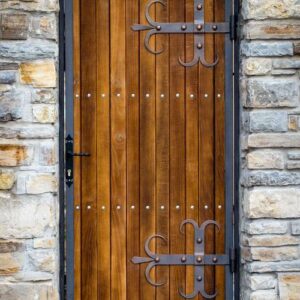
66 121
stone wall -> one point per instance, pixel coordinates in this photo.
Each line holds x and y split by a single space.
270 158
28 149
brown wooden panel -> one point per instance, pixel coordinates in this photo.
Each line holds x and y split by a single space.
220 148
162 151
103 149
118 149
88 144
177 147
133 174
206 148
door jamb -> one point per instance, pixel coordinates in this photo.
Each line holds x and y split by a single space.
66 194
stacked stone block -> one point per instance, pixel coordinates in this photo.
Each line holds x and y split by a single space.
270 156
28 149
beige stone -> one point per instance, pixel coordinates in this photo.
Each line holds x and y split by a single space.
257 66
43 261
10 246
273 203
8 264
289 286
263 295
44 243
43 113
15 155
274 253
271 240
265 159
7 179
41 183
276 140
40 73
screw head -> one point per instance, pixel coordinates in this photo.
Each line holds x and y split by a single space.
199 278
215 259
199 46
183 27
183 259
199 27
199 240
157 259
199 259
199 6
215 27
158 27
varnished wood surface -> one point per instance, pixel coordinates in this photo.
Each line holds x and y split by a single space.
155 131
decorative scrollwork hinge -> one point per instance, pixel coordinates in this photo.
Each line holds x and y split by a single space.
198 28
199 259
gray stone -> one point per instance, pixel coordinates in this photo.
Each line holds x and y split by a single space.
272 92
272 203
11 105
266 227
271 178
263 295
30 276
268 121
261 281
44 26
7 77
11 246
14 26
8 66
44 96
286 63
295 227
280 266
270 241
280 72
259 48
26 217
293 165
257 66
265 159
265 140
43 260
294 155
28 50
37 5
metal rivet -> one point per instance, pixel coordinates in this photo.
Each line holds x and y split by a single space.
199 259
183 27
215 27
192 206
88 207
158 27
183 259
132 207
177 95
177 206
162 207
157 259
199 46
77 207
199 278
77 96
103 95
132 95
118 95
147 95
205 95
199 27
199 240
215 259
147 207
219 95
219 206
89 95
162 96
206 206
103 207
192 96
118 206
199 6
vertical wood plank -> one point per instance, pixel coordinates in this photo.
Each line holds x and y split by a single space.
118 150
220 148
206 155
162 150
103 149
132 94
177 148
77 148
192 145
147 150
88 144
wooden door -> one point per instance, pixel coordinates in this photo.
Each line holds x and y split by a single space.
155 132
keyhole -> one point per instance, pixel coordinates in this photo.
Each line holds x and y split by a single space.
69 172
